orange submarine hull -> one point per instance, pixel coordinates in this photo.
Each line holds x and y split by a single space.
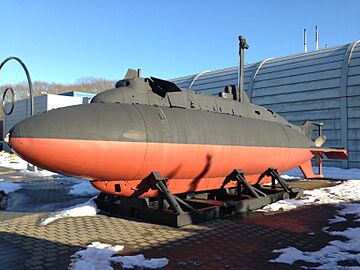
188 167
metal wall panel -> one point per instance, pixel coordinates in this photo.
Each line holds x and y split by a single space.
353 90
355 61
321 85
297 96
353 107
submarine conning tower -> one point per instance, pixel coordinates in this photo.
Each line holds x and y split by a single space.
156 92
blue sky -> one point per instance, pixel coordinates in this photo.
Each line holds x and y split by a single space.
61 41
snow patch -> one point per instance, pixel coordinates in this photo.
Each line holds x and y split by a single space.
337 219
96 256
290 177
12 161
269 183
140 261
328 256
88 208
282 205
350 209
337 250
83 188
347 191
101 256
9 187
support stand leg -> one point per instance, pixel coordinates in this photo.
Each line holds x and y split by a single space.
273 173
164 193
238 175
160 184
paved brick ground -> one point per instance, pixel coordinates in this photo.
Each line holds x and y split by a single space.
231 243
248 243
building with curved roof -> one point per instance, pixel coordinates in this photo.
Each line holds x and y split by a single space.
322 85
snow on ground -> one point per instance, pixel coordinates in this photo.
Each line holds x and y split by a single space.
345 197
337 250
9 187
83 188
101 256
347 191
88 208
337 219
12 161
290 177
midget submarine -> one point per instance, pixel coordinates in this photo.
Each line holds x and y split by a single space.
147 125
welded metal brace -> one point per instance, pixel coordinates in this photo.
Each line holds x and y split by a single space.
238 176
276 176
164 193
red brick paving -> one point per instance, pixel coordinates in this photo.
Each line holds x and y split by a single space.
247 243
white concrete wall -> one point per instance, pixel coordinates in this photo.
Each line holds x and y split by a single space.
58 101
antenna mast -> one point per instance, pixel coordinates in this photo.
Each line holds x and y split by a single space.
316 38
242 45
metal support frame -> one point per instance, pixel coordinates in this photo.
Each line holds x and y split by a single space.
164 192
319 125
274 174
193 208
238 175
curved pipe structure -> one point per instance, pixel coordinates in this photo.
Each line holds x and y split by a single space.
27 76
197 77
12 100
254 76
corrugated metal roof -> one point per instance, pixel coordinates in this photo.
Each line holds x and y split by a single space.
321 85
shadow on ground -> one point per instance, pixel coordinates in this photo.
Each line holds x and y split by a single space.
18 252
